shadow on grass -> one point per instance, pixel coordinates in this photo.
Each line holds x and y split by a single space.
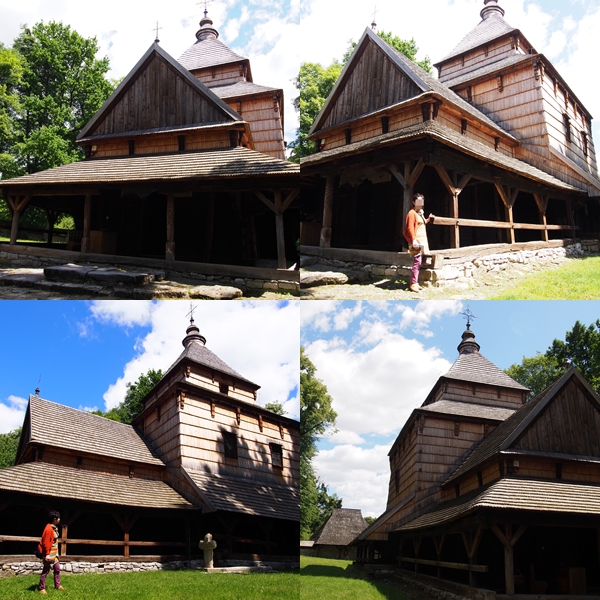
326 571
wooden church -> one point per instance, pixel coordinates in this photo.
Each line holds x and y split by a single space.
184 162
202 457
499 144
494 492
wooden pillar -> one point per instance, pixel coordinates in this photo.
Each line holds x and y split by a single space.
570 217
87 224
208 228
417 547
455 188
126 523
325 238
170 246
281 262
51 216
471 543
439 543
508 197
542 204
189 542
508 540
17 205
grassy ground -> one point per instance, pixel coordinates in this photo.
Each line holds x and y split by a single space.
328 579
158 585
577 279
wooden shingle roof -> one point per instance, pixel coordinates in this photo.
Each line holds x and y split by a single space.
468 409
342 527
247 496
239 89
55 481
515 493
475 368
208 53
447 136
229 163
64 427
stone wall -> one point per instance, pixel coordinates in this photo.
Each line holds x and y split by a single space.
10 569
440 270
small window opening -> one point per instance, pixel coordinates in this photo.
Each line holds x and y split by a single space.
230 444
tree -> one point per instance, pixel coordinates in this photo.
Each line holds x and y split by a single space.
11 73
315 82
132 405
9 442
581 348
276 407
316 417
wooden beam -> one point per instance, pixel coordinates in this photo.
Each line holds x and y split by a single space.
87 223
289 199
508 540
471 545
396 173
325 237
446 565
18 206
265 200
499 224
542 204
170 245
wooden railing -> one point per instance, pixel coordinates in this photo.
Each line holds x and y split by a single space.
446 565
500 224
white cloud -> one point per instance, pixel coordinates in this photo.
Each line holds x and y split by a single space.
12 413
419 317
260 340
359 476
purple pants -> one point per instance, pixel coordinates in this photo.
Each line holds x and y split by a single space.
414 273
45 572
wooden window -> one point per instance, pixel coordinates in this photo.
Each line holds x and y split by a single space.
131 471
276 455
79 461
456 427
158 413
181 142
223 388
463 126
131 147
584 143
457 489
397 475
348 133
567 123
230 444
479 478
385 124
558 471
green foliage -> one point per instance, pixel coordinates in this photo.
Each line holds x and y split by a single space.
316 416
9 442
275 407
314 83
132 405
370 520
57 84
159 585
581 348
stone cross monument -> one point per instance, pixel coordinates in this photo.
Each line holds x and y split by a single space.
208 545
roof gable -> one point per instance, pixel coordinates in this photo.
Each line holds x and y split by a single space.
512 431
373 78
158 93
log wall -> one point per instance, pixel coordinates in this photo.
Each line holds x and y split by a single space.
477 393
220 74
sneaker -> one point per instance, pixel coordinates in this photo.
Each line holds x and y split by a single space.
43 592
415 287
60 587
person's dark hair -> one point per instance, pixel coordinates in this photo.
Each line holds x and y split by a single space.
417 197
53 515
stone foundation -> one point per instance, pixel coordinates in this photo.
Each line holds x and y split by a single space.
11 569
440 269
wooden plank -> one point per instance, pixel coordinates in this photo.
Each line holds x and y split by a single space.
448 221
325 237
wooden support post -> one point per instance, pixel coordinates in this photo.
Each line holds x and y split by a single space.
471 543
17 205
439 544
542 204
87 224
570 217
170 246
208 228
508 198
126 523
281 262
455 188
508 540
325 238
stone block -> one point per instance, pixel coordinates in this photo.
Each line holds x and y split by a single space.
215 292
288 286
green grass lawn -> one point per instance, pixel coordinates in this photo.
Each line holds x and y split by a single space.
158 585
577 279
329 579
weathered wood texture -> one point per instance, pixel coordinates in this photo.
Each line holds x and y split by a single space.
558 429
487 395
220 74
159 97
375 82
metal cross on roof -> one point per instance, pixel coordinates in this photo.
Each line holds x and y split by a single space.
469 315
205 2
156 29
373 24
191 313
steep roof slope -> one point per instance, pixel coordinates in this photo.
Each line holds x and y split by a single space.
342 527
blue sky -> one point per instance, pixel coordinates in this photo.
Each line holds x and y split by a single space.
86 352
265 31
380 359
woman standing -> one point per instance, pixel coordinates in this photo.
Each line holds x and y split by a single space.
416 236
48 548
